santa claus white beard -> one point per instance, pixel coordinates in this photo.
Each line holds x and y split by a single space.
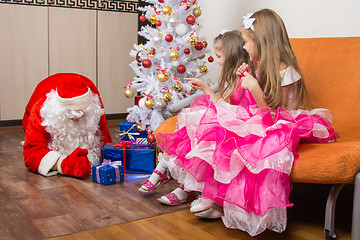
66 134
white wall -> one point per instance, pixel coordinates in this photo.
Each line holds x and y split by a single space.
303 18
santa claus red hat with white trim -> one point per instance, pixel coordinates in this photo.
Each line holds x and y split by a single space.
74 95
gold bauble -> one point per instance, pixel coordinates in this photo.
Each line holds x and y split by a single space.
167 97
167 74
129 93
174 55
201 57
203 68
178 87
138 128
152 19
166 10
197 12
193 41
149 103
162 77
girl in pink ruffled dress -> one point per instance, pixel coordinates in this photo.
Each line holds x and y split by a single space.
230 54
240 155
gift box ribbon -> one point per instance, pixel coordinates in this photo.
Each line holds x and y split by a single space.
107 162
128 133
122 145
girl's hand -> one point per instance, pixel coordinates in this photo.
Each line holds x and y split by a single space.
243 67
197 83
249 82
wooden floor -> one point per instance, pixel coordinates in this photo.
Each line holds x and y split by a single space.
59 207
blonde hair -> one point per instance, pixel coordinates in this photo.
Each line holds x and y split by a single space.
231 46
274 49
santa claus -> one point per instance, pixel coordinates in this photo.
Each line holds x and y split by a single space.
65 126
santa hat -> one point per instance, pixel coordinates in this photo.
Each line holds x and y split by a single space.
74 94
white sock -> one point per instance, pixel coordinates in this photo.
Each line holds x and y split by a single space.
155 178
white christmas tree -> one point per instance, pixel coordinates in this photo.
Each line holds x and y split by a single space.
173 51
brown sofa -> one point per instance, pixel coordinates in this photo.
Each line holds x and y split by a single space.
331 68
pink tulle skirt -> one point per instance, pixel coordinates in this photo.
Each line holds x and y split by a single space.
241 156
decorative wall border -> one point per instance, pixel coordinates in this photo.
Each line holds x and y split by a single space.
100 5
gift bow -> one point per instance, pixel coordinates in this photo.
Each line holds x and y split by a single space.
128 133
248 21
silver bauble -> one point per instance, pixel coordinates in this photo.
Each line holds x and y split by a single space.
160 105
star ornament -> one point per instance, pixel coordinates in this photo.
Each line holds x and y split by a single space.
248 21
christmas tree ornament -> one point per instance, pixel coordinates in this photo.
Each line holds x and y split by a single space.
178 87
181 69
166 10
181 29
167 97
193 41
146 63
172 21
161 77
185 3
158 23
142 18
174 55
138 128
201 57
160 105
129 93
152 52
190 19
149 103
187 51
161 1
167 74
199 46
203 68
169 38
150 138
205 44
152 19
139 54
157 39
197 12
210 59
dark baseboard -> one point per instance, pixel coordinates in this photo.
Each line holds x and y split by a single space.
18 122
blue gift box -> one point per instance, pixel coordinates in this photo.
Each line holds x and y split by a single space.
107 174
128 132
137 160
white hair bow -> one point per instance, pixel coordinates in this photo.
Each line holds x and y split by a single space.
248 22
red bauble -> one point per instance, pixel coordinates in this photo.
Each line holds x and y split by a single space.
168 38
210 59
187 51
158 23
146 63
185 2
152 52
181 69
205 44
190 19
161 1
142 18
199 46
151 138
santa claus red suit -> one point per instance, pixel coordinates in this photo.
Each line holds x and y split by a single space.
65 126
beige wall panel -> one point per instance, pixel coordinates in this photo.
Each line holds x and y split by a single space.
23 58
117 36
72 41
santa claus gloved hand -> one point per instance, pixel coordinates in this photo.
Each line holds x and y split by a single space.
76 164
